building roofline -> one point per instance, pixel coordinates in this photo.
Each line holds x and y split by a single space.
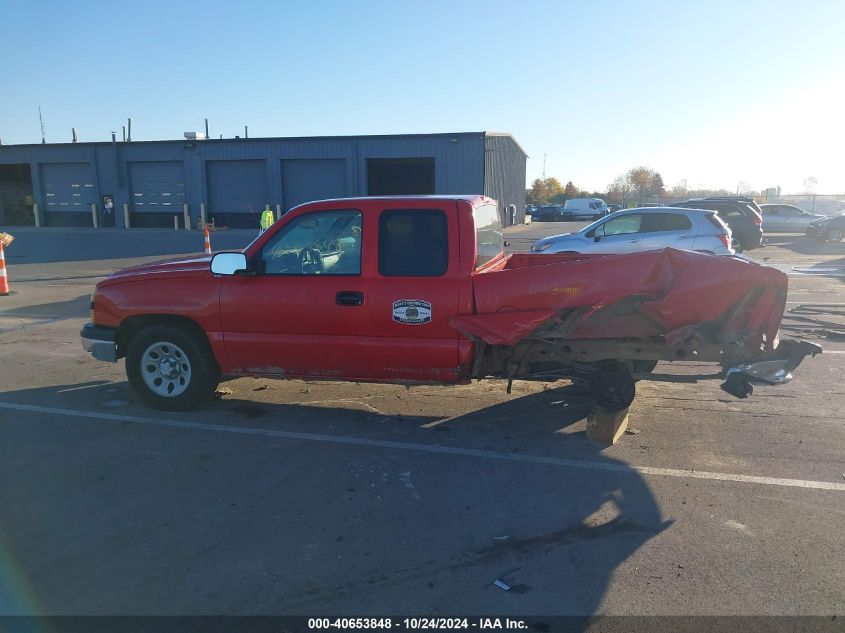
510 136
262 139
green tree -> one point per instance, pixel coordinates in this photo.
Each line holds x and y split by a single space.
543 191
538 193
570 190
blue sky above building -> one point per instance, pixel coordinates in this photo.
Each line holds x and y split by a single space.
714 93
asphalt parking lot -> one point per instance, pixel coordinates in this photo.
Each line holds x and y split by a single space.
311 498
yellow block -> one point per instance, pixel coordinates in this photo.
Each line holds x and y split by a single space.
606 428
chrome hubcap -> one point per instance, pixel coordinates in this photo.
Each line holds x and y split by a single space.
166 369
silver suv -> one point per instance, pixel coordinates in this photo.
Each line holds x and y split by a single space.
645 229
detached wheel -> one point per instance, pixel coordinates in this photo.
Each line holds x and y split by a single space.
171 368
613 389
642 366
834 235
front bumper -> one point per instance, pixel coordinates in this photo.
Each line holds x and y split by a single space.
100 341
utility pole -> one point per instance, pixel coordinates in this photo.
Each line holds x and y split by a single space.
41 120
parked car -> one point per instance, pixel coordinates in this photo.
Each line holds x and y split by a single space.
613 208
645 229
786 217
418 289
830 228
530 209
740 213
548 213
578 208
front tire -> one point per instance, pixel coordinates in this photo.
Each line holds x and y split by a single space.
834 235
171 368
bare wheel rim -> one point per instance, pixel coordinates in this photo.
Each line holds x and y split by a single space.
166 369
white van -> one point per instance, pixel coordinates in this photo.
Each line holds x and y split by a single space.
585 208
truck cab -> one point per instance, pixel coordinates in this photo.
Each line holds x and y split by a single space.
360 290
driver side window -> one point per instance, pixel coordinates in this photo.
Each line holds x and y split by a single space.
318 243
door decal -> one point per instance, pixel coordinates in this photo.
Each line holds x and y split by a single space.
412 311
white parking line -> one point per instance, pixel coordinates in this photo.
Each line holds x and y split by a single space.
430 448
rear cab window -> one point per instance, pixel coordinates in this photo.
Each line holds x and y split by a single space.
489 239
413 243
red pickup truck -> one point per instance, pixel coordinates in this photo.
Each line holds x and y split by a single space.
419 290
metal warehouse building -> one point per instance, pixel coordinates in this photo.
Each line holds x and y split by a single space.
231 181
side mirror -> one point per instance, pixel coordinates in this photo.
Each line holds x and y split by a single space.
228 263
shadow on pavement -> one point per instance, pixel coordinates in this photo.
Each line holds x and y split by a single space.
39 246
803 245
69 309
212 522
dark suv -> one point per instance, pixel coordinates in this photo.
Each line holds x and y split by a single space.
740 213
548 213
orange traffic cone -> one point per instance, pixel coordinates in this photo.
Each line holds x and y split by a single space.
207 242
4 280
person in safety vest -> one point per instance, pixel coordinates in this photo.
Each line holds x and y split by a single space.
267 219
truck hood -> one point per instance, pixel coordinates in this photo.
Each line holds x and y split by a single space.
181 267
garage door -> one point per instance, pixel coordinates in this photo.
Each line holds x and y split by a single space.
157 193
237 192
68 190
306 180
400 176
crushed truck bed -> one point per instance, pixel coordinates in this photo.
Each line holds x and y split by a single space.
656 293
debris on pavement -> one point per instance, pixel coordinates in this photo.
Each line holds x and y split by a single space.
632 431
222 391
502 585
261 388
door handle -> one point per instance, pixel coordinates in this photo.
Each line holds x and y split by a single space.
349 298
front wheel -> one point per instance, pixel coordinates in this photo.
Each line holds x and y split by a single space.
171 368
834 235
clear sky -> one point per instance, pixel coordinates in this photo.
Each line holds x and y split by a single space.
712 92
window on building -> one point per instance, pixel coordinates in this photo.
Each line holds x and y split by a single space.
413 243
